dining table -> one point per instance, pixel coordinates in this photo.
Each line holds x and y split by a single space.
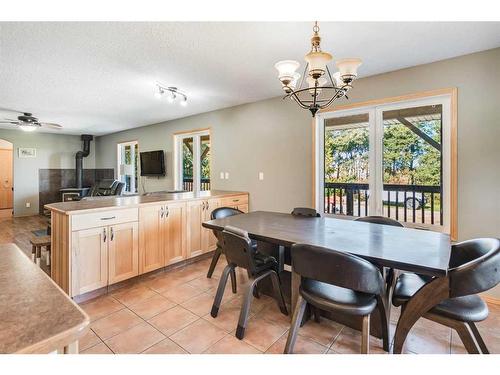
412 250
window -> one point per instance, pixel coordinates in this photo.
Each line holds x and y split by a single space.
192 160
391 159
128 154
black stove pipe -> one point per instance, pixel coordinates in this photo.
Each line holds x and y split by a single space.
86 138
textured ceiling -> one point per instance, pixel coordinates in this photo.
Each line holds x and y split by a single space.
99 77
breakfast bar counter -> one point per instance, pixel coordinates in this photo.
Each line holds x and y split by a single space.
36 316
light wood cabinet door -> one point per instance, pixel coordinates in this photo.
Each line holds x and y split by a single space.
194 215
123 252
151 252
174 233
89 255
243 208
209 241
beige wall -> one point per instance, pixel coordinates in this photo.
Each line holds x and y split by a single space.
274 136
52 151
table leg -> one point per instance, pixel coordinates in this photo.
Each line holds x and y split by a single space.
295 290
425 299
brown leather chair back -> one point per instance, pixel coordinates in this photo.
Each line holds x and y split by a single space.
337 268
380 220
305 211
474 266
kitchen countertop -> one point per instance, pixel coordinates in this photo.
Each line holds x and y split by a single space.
123 201
36 316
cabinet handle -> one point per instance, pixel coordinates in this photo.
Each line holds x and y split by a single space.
162 212
203 206
166 211
112 234
104 234
108 218
236 200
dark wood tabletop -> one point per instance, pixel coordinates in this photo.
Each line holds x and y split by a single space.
414 250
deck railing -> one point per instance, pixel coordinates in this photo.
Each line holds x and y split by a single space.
408 203
187 184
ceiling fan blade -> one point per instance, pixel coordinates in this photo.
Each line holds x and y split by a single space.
10 119
9 122
51 125
9 110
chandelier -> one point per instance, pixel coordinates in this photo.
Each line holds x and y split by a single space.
322 88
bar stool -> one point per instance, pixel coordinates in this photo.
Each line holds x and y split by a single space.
239 252
339 283
37 243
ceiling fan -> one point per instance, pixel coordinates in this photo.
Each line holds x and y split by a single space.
27 122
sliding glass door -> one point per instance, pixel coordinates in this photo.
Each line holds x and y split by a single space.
390 160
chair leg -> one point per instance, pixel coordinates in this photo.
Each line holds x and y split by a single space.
38 255
278 293
317 314
245 310
298 314
220 290
33 253
365 335
47 260
384 322
233 280
479 339
214 261
466 335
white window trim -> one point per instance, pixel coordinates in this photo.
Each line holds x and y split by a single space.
178 139
118 163
375 158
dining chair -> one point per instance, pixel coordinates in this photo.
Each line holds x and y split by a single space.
221 213
239 252
339 283
305 211
474 267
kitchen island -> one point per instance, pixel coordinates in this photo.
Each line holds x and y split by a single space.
98 242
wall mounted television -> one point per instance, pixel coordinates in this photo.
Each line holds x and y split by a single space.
153 163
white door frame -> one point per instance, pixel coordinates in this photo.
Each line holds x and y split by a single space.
178 139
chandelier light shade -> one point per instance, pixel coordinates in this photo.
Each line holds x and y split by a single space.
318 88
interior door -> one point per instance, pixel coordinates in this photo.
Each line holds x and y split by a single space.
174 233
151 254
89 264
123 249
6 179
194 216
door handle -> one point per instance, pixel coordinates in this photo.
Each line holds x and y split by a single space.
108 218
112 234
104 234
166 211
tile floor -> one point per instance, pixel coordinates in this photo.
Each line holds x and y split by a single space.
169 313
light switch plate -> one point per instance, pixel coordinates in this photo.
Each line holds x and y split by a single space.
222 175
261 176
227 175
28 204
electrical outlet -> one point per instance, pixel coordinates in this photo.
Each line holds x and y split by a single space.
227 175
261 176
28 204
222 175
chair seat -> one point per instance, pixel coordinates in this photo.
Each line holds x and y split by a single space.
264 262
465 309
337 299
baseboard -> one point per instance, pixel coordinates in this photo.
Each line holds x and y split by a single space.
6 213
491 300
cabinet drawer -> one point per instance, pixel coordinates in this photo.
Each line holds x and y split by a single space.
234 201
103 218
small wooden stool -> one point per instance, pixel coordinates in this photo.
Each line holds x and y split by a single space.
36 248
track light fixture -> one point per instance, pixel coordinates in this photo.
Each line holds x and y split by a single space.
171 93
